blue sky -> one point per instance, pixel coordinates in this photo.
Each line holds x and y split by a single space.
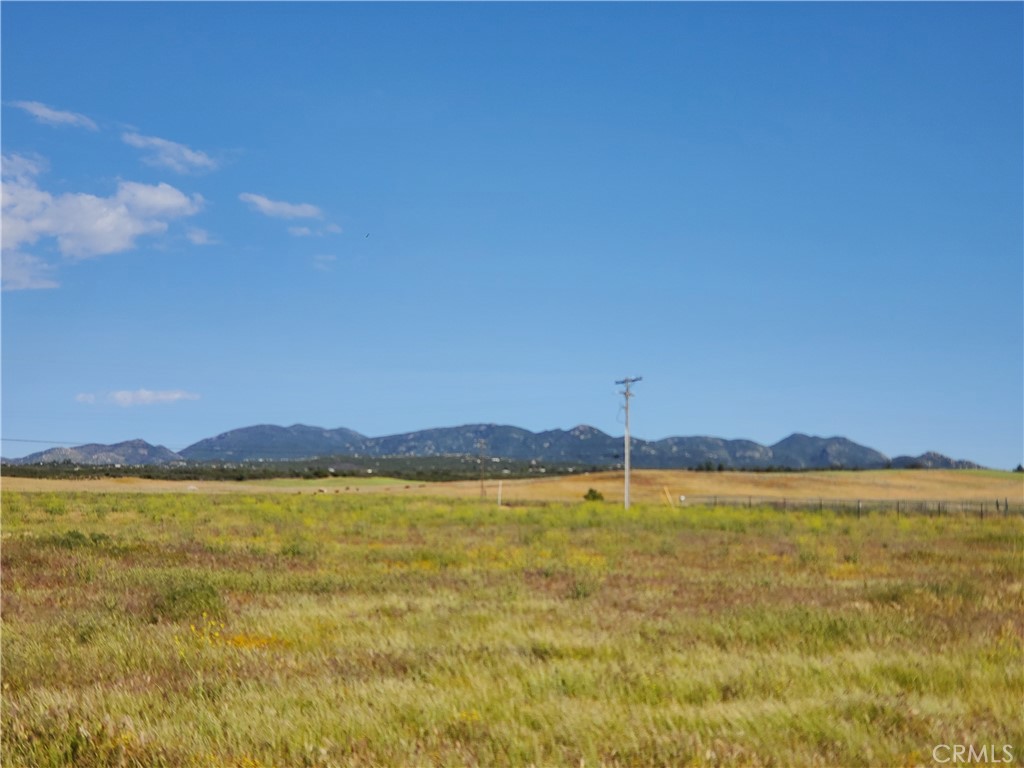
785 217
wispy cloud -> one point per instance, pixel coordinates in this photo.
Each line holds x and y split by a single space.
170 154
22 166
281 210
324 262
50 116
198 236
329 229
85 225
24 272
128 398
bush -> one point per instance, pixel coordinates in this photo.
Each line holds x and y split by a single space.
593 495
69 539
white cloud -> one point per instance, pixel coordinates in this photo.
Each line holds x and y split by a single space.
281 210
45 114
24 272
85 225
21 167
330 229
198 236
170 154
127 398
21 201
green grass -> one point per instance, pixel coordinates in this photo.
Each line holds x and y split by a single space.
337 630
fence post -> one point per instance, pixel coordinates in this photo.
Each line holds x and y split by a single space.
858 509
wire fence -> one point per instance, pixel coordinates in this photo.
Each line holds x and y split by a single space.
935 508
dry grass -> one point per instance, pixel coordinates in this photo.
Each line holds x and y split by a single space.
648 486
270 629
201 487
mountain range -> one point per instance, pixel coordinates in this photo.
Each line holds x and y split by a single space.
134 452
581 445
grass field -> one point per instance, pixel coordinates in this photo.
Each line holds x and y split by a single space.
274 629
647 486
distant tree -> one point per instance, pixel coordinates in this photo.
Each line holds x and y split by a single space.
593 495
1020 468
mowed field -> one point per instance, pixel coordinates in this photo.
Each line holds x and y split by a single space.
256 626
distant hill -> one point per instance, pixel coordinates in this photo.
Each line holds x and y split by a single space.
580 445
806 452
131 452
266 441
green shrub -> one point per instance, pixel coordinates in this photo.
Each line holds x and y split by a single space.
72 539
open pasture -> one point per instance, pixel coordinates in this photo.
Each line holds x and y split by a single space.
658 486
276 629
648 486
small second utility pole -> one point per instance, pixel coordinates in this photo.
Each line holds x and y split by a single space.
627 394
481 447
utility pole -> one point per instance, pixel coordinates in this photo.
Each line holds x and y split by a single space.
481 447
627 394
